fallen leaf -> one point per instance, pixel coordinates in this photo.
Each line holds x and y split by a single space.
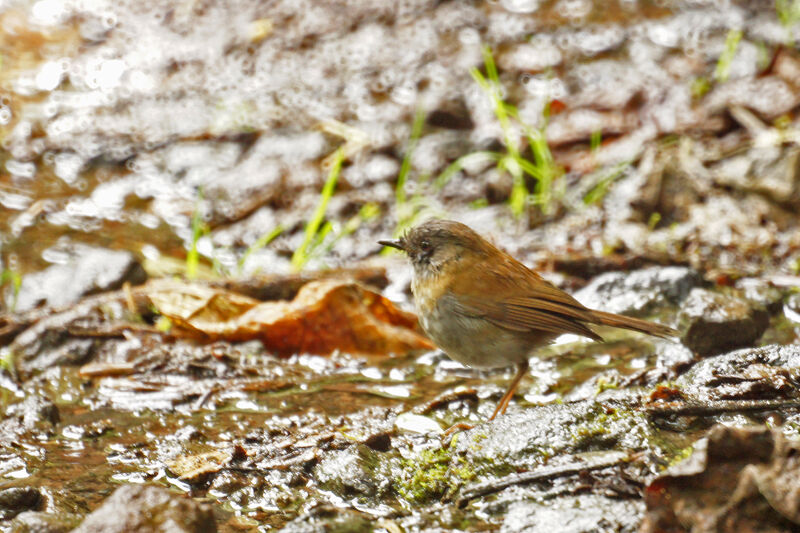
325 316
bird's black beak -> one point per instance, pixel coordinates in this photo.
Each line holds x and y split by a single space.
394 244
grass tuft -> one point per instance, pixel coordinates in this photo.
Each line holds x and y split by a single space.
542 168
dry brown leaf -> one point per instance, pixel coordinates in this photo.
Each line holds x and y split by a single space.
325 316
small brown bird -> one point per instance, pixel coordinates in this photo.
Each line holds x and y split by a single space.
485 309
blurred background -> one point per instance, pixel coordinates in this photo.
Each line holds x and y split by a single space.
231 138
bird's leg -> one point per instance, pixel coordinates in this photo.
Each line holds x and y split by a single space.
522 369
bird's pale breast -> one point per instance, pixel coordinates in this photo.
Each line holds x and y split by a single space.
475 341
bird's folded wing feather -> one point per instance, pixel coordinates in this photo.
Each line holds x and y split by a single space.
528 313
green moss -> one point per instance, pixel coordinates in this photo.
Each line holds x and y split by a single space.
604 384
432 474
597 426
680 455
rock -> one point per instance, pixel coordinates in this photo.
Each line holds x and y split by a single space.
718 322
15 500
738 479
761 293
37 522
351 472
89 271
529 438
752 373
56 351
772 173
672 360
35 414
574 514
327 519
639 292
768 96
148 509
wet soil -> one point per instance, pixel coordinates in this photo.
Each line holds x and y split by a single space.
136 134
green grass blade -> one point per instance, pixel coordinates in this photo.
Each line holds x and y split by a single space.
598 192
302 253
405 167
198 229
726 57
16 283
262 241
460 163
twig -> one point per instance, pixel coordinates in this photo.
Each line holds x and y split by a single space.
717 407
544 473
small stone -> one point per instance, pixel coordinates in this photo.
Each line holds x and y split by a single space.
793 307
329 518
718 322
148 509
350 471
34 410
15 500
37 522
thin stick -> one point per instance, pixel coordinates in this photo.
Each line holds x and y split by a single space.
543 474
718 407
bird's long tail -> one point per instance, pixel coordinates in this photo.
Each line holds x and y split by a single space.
636 324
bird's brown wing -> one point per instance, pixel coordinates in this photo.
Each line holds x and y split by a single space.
521 313
512 296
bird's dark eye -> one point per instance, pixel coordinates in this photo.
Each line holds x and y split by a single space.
425 245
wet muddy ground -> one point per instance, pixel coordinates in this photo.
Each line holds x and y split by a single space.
192 140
